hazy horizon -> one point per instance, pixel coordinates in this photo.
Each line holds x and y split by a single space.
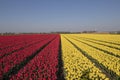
59 15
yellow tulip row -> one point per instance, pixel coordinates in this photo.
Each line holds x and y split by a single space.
104 37
111 50
109 61
101 37
77 66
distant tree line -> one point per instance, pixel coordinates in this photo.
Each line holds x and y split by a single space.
8 33
115 32
63 32
75 32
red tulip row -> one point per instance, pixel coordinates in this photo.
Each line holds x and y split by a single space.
10 61
21 43
43 66
9 41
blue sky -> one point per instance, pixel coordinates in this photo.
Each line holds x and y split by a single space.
59 15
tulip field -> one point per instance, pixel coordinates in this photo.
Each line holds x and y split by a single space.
60 57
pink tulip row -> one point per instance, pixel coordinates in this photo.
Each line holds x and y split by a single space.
8 62
43 66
